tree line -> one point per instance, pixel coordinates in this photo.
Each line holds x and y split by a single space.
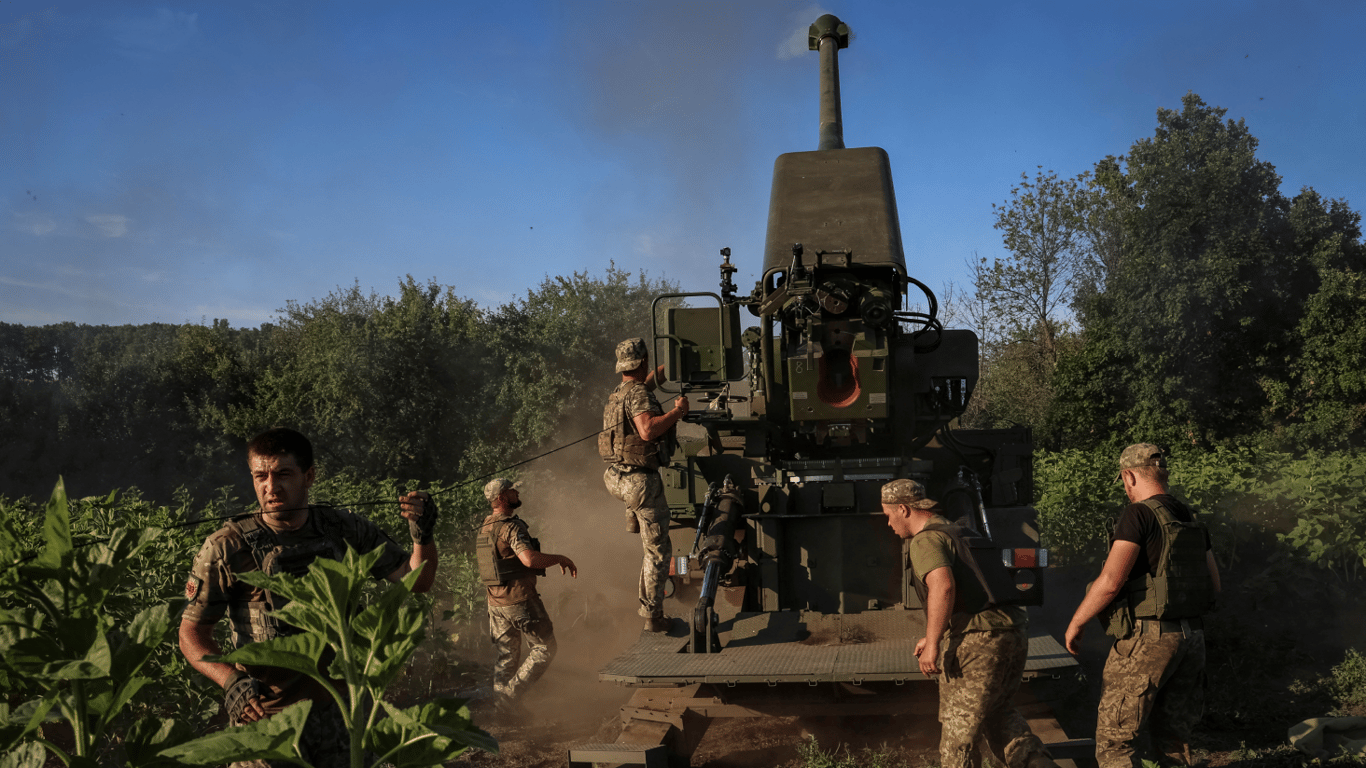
424 385
1174 295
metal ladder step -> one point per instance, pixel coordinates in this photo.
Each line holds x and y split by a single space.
650 756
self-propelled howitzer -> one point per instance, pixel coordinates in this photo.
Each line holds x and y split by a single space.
794 596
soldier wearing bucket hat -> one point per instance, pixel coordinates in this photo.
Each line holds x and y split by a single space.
977 650
632 441
1159 578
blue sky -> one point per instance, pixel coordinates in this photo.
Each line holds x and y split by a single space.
184 161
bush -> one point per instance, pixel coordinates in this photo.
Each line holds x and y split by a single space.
1077 504
1349 680
1310 507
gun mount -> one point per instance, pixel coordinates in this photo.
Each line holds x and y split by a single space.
806 604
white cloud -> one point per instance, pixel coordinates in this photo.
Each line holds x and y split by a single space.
34 223
109 224
645 245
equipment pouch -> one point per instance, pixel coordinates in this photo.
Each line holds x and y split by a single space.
607 448
1117 617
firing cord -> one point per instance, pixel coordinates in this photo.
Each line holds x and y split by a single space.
379 502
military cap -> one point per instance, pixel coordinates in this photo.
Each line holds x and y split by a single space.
497 486
907 492
630 354
1140 455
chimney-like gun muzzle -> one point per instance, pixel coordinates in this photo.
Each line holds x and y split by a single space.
828 35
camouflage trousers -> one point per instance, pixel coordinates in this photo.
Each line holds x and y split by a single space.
1152 695
325 742
508 624
982 672
643 494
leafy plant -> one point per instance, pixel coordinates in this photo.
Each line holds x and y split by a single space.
60 640
1077 503
1326 491
371 645
1349 680
812 756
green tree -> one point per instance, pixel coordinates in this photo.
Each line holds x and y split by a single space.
1027 290
1323 401
554 351
385 386
1020 301
1208 290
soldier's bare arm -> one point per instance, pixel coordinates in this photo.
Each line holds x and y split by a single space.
1118 565
533 559
941 592
1213 572
196 642
651 427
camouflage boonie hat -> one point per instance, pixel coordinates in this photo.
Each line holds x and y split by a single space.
630 354
1140 455
497 486
907 492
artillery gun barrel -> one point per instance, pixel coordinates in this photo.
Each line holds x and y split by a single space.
828 35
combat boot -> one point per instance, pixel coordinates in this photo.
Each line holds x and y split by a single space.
658 624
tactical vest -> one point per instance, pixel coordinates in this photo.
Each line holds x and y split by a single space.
963 553
618 442
255 620
1181 588
495 571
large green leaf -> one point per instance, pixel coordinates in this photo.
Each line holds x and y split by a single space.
274 738
149 736
426 734
94 665
297 653
30 755
56 530
24 719
387 634
136 643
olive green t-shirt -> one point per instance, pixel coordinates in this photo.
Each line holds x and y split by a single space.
930 550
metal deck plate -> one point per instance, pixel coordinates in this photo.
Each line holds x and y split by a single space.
788 647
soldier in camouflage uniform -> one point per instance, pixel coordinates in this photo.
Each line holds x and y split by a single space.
1158 579
634 428
286 536
509 562
977 650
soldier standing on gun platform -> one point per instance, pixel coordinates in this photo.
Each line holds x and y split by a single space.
634 427
286 536
1158 579
977 650
509 562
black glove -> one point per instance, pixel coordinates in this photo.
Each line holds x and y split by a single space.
421 528
239 690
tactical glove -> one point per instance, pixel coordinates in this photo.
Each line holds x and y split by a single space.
421 528
237 693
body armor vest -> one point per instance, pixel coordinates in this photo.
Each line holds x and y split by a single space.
618 442
495 571
1181 588
963 553
255 620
